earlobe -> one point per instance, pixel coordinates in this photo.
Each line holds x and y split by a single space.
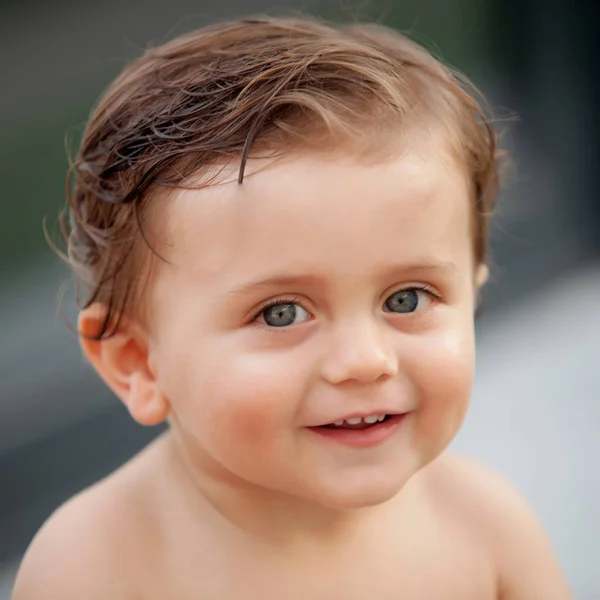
482 276
145 402
122 362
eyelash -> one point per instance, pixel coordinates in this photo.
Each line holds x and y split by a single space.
435 295
297 300
270 304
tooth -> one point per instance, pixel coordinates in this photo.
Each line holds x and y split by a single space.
381 417
371 419
354 421
339 423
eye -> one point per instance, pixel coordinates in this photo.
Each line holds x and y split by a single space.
407 301
284 314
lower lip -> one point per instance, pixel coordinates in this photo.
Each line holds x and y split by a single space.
362 438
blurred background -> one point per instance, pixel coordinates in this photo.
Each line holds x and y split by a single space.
536 407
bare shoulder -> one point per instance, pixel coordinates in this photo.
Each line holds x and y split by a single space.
489 505
70 556
91 547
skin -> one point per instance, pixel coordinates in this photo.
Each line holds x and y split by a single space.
241 484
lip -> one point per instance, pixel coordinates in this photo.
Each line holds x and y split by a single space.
362 438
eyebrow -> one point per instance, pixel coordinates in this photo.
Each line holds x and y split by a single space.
446 267
275 281
314 280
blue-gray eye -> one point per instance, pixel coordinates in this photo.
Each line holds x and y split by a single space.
406 301
284 315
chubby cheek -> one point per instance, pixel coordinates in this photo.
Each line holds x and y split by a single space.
443 377
240 406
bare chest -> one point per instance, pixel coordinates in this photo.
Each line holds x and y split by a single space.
451 570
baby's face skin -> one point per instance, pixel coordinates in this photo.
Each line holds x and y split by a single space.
330 242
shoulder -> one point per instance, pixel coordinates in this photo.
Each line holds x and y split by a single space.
488 505
472 491
70 557
89 548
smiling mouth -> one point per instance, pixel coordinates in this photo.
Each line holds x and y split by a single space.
361 432
358 422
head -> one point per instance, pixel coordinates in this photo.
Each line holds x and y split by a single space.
280 224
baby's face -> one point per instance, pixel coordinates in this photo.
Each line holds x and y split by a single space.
314 292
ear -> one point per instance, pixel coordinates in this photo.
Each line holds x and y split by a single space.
481 276
122 362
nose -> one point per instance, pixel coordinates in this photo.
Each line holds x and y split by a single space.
359 352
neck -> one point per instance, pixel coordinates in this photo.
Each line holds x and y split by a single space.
273 517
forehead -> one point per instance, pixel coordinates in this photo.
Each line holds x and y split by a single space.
321 213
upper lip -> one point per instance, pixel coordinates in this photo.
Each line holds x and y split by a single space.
362 415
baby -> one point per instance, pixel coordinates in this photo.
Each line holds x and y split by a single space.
280 227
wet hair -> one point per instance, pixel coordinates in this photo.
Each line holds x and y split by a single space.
229 91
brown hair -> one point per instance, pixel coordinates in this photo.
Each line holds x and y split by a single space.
212 96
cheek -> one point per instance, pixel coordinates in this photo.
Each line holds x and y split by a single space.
222 393
444 379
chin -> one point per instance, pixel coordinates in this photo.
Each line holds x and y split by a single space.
362 494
